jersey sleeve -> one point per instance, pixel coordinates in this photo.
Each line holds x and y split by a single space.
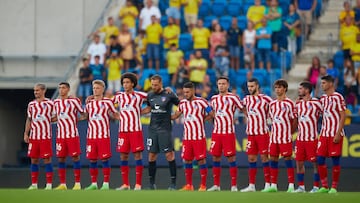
28 111
78 106
292 110
238 102
175 99
111 106
341 103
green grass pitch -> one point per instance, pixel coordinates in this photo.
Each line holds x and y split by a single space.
159 196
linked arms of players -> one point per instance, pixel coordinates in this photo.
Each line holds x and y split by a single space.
27 129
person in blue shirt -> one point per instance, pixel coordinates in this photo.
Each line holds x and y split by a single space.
305 10
292 25
333 71
357 13
274 13
233 34
98 71
263 37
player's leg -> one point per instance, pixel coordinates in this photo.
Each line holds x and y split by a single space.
153 147
274 167
311 156
262 142
252 151
75 151
106 173
335 152
300 154
316 178
77 172
45 154
286 153
215 151
200 156
92 155
233 173
123 146
170 157
137 146
33 154
322 153
229 149
61 152
166 146
187 155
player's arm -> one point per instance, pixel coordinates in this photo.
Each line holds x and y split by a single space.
176 115
341 127
115 116
54 119
84 116
146 110
27 129
210 113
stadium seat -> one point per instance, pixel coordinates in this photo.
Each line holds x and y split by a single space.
241 77
218 8
185 42
204 8
242 22
163 5
207 21
234 8
165 76
245 8
339 59
225 22
212 74
163 21
356 119
187 54
145 74
261 75
266 90
318 9
232 77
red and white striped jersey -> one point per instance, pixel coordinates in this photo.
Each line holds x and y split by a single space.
194 113
130 110
308 113
332 106
66 112
224 108
99 118
40 114
282 113
257 109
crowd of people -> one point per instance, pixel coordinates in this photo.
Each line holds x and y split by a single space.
127 107
142 42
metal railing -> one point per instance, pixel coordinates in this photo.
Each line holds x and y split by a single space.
72 68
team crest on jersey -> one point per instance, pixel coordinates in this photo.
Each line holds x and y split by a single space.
196 106
44 105
101 105
257 100
163 99
310 106
283 108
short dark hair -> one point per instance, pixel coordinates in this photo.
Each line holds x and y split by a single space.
328 78
172 45
156 77
330 61
97 56
65 83
223 78
281 83
189 85
131 76
307 85
113 37
255 80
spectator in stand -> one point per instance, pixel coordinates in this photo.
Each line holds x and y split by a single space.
206 91
153 35
140 48
249 42
313 71
214 22
234 37
355 53
128 15
181 77
146 15
273 13
171 35
263 37
97 69
348 34
198 66
318 90
85 77
244 87
334 72
114 65
113 46
256 13
126 43
109 30
293 28
174 60
191 9
215 39
221 59
305 10
201 37
174 11
346 12
96 48
350 82
357 13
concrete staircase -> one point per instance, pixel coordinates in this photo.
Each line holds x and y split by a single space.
323 43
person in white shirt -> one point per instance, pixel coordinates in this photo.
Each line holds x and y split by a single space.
146 13
96 48
249 39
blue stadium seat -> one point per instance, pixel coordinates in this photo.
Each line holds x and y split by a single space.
145 74
245 8
318 8
165 76
204 8
225 22
339 59
218 8
163 5
164 21
266 90
187 54
207 21
232 77
212 74
234 8
241 77
242 22
261 75
185 42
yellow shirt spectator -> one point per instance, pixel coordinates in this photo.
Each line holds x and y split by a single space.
153 33
348 36
140 45
173 59
343 15
175 3
171 31
128 15
109 30
114 68
201 38
192 6
197 75
255 14
355 48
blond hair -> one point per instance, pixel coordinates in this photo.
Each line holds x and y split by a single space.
98 82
